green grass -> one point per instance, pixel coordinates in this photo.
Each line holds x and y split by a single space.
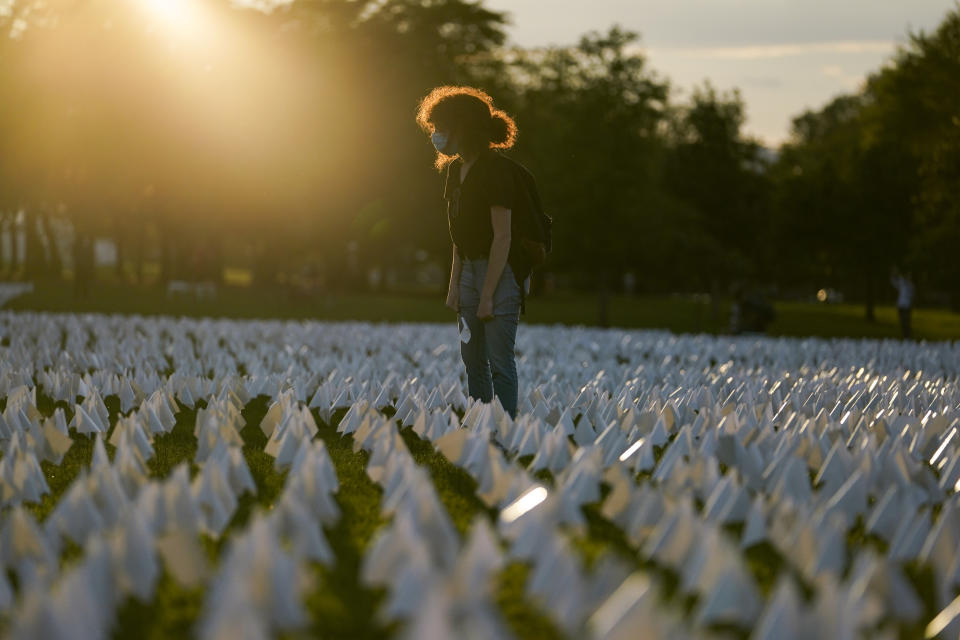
846 320
339 605
678 314
342 607
457 492
175 608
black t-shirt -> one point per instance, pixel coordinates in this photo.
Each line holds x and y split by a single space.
489 182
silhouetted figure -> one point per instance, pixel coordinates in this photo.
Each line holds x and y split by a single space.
480 190
629 283
905 292
749 313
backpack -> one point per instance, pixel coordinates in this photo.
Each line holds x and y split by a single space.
530 225
533 226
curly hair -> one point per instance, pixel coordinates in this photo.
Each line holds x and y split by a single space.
469 111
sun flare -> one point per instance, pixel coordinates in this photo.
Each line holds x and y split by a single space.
177 14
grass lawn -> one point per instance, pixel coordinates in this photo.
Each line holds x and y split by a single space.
339 604
678 314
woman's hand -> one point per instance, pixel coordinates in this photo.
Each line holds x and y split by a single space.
453 298
485 308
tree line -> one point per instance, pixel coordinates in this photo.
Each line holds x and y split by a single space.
290 132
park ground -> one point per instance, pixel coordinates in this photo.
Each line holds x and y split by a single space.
340 606
680 314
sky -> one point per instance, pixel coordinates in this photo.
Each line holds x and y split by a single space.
785 56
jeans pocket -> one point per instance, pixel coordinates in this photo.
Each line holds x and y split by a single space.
467 288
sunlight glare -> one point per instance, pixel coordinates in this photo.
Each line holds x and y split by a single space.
943 619
264 6
632 450
524 503
180 15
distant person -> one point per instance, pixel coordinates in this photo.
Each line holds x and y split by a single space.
749 313
736 310
905 293
468 132
629 283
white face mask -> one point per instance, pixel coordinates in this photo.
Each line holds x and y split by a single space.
440 142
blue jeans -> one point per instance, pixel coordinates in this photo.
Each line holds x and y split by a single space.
489 354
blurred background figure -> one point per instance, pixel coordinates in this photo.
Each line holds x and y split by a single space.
903 283
750 313
629 283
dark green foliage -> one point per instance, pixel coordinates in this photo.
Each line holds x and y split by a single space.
870 180
718 180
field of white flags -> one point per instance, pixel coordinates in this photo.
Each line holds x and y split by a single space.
221 479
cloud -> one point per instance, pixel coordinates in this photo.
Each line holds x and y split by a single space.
762 82
767 51
832 71
837 72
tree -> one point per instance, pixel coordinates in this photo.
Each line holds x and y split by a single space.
719 177
294 120
817 199
915 118
589 120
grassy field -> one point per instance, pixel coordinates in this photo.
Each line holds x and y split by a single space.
339 605
678 314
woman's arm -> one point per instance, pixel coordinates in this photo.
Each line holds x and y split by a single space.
499 250
453 292
455 269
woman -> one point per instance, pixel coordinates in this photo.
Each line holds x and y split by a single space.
467 130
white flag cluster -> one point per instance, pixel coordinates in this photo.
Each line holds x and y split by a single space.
840 458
